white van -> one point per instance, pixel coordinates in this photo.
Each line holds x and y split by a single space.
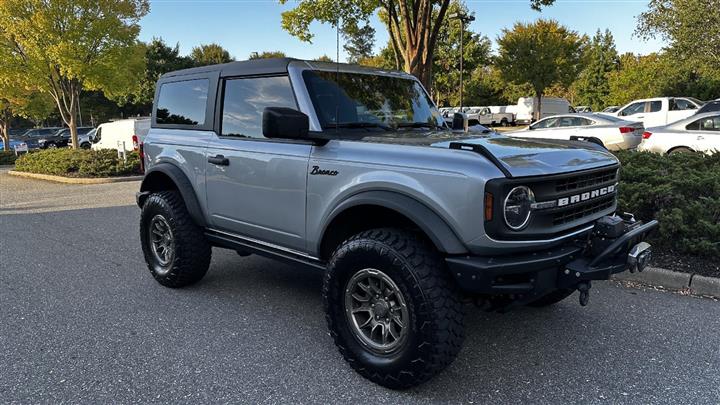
122 134
526 107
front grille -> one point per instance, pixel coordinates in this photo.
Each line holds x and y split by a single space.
575 213
585 180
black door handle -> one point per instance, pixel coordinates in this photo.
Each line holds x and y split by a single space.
219 160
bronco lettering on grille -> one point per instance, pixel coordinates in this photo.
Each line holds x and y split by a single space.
589 195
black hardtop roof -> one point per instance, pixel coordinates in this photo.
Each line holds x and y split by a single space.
247 67
270 66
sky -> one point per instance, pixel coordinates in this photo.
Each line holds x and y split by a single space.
246 26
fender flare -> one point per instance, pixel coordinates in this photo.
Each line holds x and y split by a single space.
183 185
439 232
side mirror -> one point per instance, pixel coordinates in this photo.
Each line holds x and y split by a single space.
282 122
459 122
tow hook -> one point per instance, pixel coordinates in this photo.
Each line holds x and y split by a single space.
639 257
584 289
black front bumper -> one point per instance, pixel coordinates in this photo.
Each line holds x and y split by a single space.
532 275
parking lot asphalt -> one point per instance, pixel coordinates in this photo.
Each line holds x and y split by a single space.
82 321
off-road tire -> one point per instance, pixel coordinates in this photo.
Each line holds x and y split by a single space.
435 331
192 255
552 298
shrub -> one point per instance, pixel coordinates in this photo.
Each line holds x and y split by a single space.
681 191
7 157
79 163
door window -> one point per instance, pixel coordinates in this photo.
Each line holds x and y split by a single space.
680 104
183 103
655 106
633 108
245 100
705 124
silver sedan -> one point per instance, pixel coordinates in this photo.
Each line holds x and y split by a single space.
612 132
697 133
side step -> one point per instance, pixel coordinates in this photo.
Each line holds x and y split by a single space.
237 242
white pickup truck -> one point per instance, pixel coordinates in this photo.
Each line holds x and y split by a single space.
484 116
659 111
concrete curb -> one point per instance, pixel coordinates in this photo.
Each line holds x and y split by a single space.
75 180
695 284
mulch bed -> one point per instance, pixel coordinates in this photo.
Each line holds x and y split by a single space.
703 266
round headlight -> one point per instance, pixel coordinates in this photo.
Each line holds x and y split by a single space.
517 207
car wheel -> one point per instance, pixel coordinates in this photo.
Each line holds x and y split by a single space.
392 307
176 250
51 146
552 298
680 150
504 122
85 145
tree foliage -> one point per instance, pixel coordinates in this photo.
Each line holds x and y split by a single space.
691 27
600 59
160 58
540 54
413 26
210 54
359 44
64 46
267 55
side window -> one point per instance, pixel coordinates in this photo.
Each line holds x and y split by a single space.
584 122
182 103
633 109
655 106
705 124
245 100
568 122
681 104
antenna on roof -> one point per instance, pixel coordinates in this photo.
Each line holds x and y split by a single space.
337 72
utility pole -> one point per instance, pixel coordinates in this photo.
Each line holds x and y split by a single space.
464 19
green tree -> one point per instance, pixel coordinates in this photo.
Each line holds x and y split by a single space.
413 26
324 58
267 55
359 43
599 59
691 27
210 54
541 54
64 46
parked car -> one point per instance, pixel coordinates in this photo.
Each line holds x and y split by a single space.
42 138
83 139
125 134
295 160
526 107
611 109
484 116
710 106
698 133
583 109
659 111
14 143
611 132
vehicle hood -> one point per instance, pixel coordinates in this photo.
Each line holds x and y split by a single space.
520 156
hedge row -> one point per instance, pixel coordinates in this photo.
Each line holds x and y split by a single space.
681 191
7 157
78 163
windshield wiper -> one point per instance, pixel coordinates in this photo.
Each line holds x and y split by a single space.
353 125
419 125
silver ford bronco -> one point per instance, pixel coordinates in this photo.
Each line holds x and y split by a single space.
354 172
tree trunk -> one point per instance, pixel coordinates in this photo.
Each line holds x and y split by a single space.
538 110
5 128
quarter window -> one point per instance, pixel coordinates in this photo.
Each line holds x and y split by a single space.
183 103
682 104
245 100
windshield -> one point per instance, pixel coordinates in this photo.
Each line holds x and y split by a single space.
356 100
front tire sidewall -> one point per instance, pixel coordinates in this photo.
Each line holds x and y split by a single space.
346 266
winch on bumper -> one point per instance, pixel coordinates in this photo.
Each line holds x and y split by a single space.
615 244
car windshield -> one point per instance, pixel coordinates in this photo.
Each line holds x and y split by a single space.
356 100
